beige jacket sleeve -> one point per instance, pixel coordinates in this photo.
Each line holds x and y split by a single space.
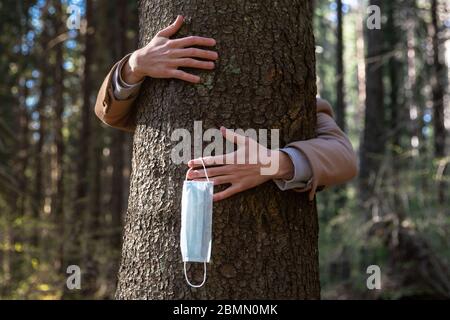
119 114
330 154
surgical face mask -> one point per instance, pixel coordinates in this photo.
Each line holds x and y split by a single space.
196 223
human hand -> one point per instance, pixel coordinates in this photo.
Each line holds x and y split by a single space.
242 169
162 57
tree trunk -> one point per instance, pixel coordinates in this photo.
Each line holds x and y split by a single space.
84 139
117 203
264 240
340 103
89 226
396 104
38 192
118 137
437 86
341 193
373 143
57 165
438 82
23 149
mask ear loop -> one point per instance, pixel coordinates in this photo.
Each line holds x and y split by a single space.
204 263
204 168
196 285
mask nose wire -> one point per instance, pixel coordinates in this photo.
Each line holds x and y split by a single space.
204 168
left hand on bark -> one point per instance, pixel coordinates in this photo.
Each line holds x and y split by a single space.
243 168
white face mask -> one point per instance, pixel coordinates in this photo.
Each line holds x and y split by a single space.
196 223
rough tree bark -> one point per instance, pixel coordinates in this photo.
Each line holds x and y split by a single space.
264 240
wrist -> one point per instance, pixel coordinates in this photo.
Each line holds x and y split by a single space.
285 166
130 71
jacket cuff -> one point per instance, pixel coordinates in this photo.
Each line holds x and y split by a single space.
307 149
121 89
302 171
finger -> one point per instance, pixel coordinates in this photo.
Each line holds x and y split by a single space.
217 180
210 172
208 161
228 192
193 41
172 29
179 74
192 63
196 53
233 137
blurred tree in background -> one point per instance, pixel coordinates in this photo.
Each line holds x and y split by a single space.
64 179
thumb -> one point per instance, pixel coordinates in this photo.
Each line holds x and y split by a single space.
172 29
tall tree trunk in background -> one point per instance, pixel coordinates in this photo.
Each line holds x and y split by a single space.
264 240
395 106
437 86
21 157
38 192
118 137
19 191
57 197
439 72
415 100
117 147
361 68
23 149
340 100
85 228
38 163
373 142
411 83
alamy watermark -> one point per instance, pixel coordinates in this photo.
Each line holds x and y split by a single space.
73 281
252 146
74 20
374 17
374 280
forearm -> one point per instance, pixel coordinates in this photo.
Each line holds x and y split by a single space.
160 58
111 110
330 155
